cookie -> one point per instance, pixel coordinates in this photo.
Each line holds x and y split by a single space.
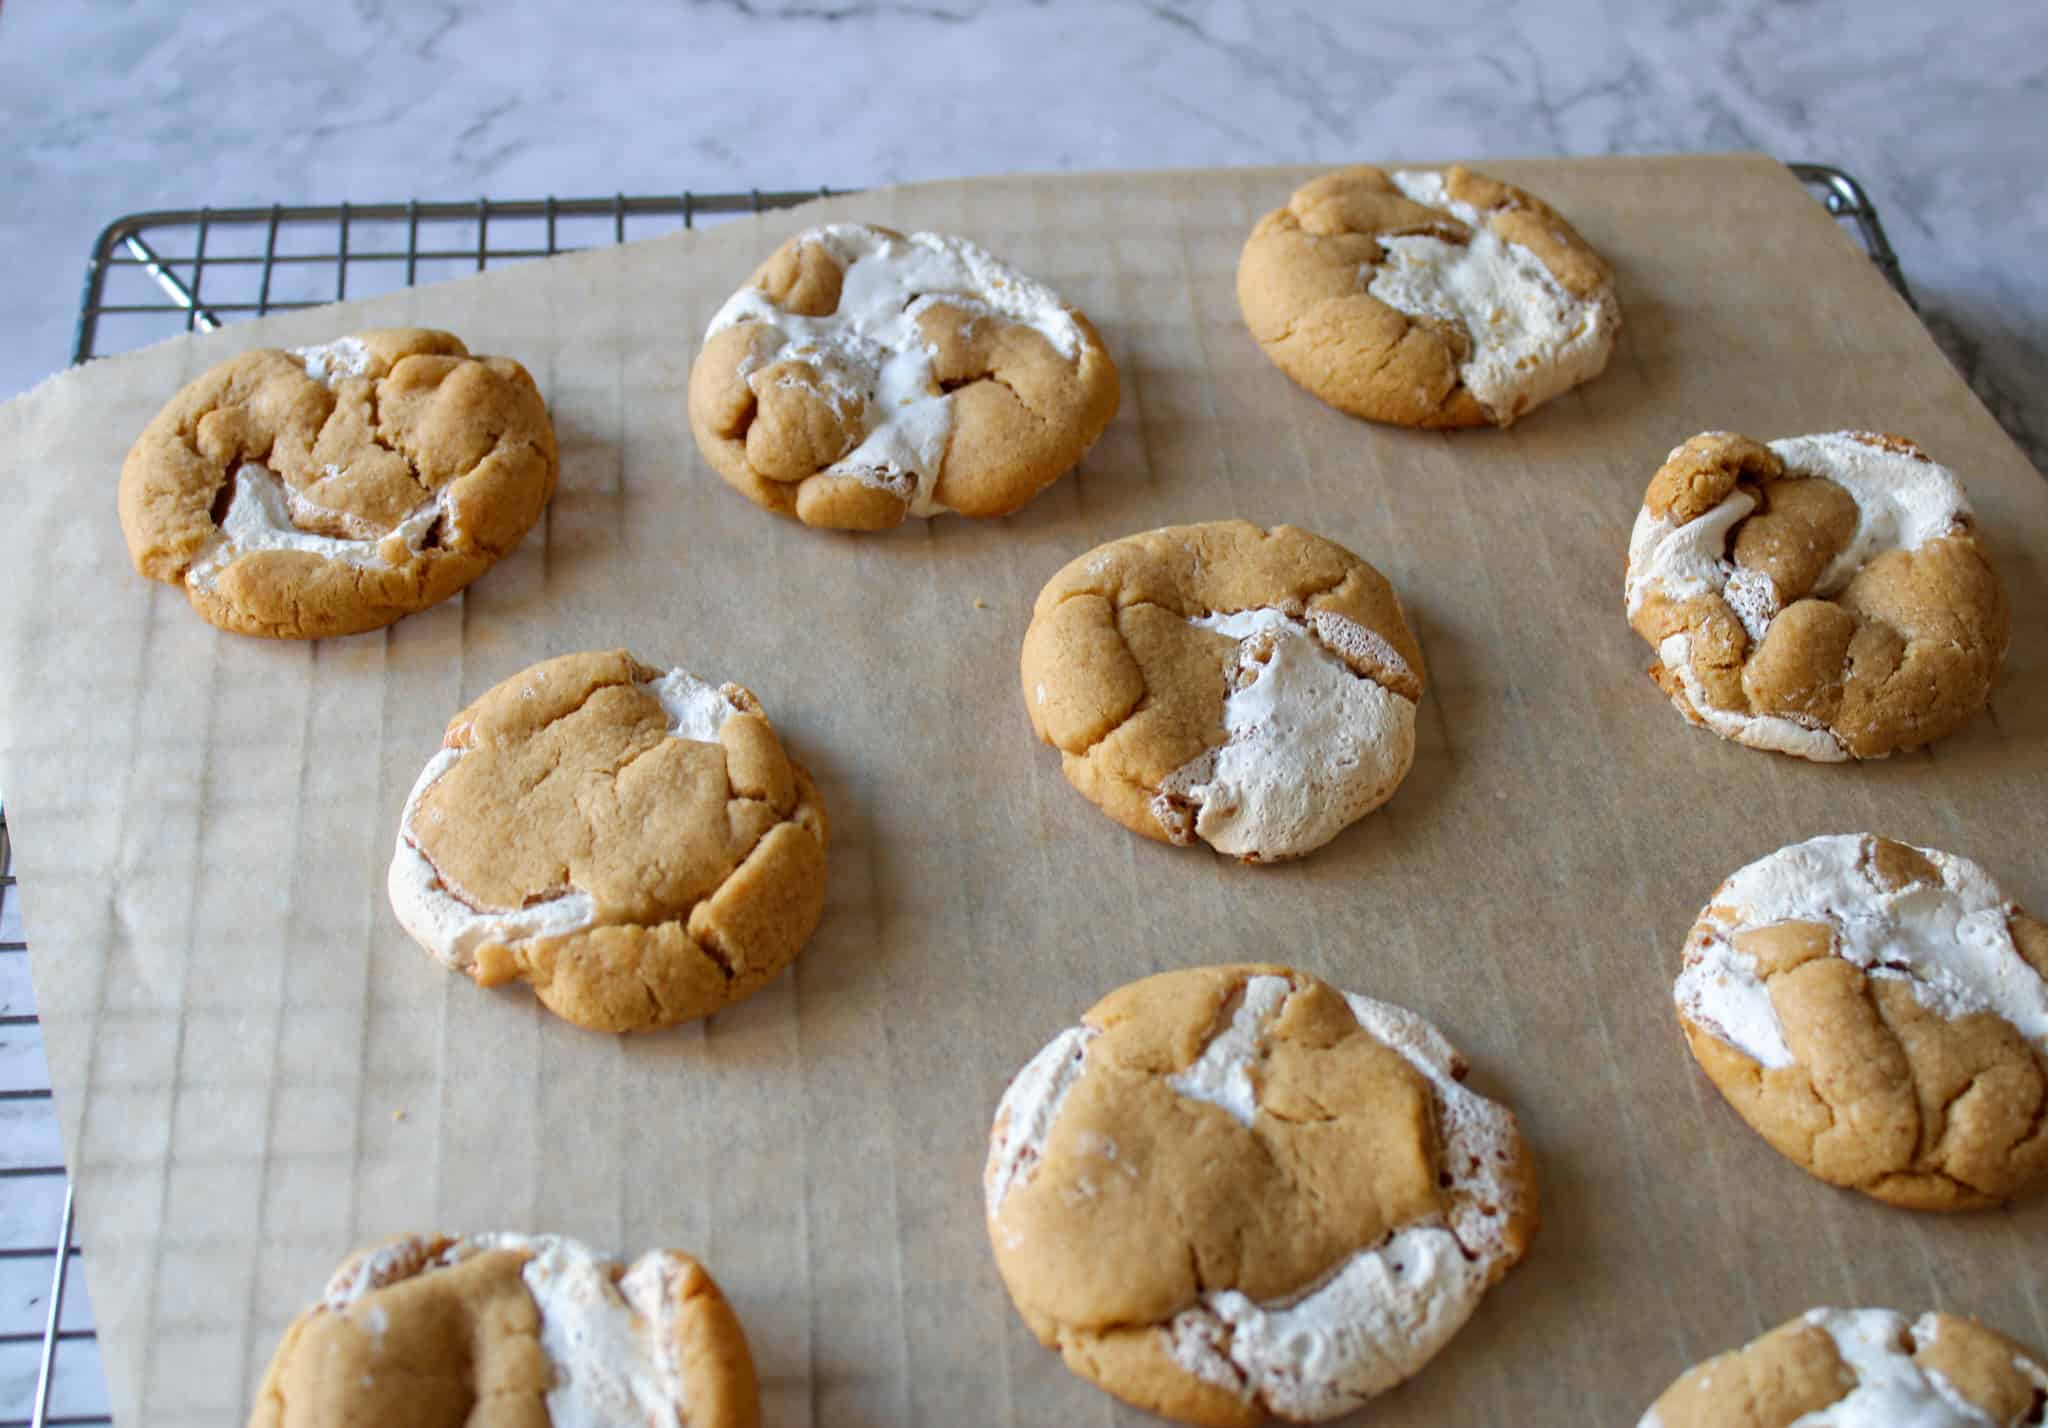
635 845
1823 596
1253 689
1425 297
1856 1367
1879 1014
1234 1192
511 1331
327 490
863 376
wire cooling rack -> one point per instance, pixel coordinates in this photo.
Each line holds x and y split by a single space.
150 276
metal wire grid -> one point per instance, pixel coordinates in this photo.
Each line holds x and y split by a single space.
275 259
152 275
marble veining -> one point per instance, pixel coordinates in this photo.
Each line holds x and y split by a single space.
1937 111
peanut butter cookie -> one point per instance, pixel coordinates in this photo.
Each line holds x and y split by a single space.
863 376
1824 596
512 1331
1254 689
1879 1014
333 489
1234 1192
635 845
1427 298
1857 1367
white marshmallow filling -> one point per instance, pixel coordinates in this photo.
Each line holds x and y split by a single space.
870 352
449 923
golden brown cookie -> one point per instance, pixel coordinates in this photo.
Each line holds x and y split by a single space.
1879 1014
1234 1192
863 376
1824 596
512 1331
1254 689
332 489
635 845
1861 1368
1424 297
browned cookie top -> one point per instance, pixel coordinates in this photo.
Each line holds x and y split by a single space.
1427 298
1254 689
1879 1013
336 488
1824 596
637 846
1234 1191
864 375
511 1331
1862 1366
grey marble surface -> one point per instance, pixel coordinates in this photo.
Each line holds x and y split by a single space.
107 108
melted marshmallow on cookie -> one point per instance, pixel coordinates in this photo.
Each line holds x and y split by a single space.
871 352
1531 339
1891 1388
447 922
1950 944
1902 502
1312 745
1380 1314
259 517
260 512
611 1338
1376 1318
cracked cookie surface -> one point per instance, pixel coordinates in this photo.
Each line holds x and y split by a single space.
1879 1014
863 376
1235 1192
636 846
1252 689
512 1331
1857 1367
332 489
1424 297
1823 596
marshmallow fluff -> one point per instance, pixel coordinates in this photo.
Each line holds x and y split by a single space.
1950 944
1902 503
331 361
1311 745
871 354
1221 1075
447 922
259 517
1892 1390
1030 1106
1377 1316
610 1338
1531 339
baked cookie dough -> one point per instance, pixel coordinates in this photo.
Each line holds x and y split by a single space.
1824 596
636 845
1425 297
1234 1192
512 1331
1879 1014
326 490
1253 689
863 376
1856 1367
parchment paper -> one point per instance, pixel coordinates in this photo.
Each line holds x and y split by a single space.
257 1071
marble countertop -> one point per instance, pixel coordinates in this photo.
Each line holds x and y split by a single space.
107 108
